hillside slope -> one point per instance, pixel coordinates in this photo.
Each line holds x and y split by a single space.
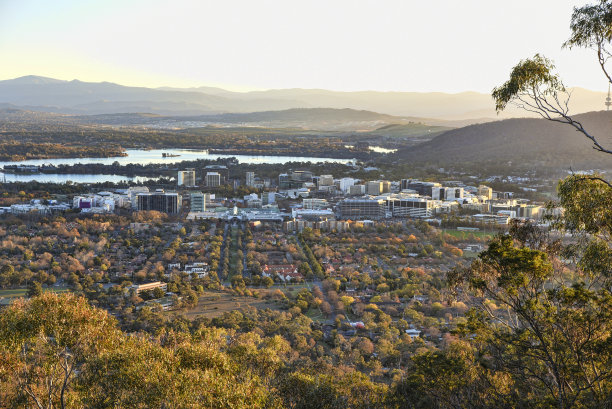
518 141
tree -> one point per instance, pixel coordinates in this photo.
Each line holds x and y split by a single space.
34 289
45 342
267 282
551 334
535 87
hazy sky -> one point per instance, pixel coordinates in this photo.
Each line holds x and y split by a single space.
389 45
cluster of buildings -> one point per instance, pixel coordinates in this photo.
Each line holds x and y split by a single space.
35 206
212 176
135 198
327 203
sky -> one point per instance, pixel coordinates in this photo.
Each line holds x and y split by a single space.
346 45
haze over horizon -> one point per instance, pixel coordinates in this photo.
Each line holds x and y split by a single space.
241 45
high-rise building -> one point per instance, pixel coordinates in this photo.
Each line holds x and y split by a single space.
186 177
222 170
213 179
250 179
160 201
198 202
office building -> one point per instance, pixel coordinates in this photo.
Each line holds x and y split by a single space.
362 208
446 193
422 188
374 187
345 184
410 206
325 180
294 180
160 201
485 191
525 211
268 198
133 193
187 177
357 190
315 204
301 175
222 170
213 179
385 186
198 202
250 179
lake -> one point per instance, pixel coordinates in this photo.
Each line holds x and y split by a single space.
63 178
377 149
143 157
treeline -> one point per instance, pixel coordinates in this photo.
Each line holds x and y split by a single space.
19 151
235 140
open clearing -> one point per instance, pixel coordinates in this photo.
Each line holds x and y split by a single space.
6 296
213 304
464 235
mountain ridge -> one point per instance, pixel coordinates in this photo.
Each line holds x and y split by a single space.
79 97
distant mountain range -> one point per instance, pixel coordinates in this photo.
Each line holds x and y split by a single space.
518 141
317 119
77 97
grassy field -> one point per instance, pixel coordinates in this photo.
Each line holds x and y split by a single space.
9 294
213 304
465 234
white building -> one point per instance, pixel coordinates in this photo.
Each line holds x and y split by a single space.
446 193
133 192
314 204
187 177
345 184
213 179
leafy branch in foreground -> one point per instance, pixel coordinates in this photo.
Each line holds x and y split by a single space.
536 88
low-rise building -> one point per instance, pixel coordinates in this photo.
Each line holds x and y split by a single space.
139 288
362 208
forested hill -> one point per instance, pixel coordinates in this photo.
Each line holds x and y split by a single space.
322 119
521 141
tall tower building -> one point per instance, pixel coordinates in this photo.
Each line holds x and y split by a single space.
198 202
160 201
608 99
186 177
250 179
213 179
